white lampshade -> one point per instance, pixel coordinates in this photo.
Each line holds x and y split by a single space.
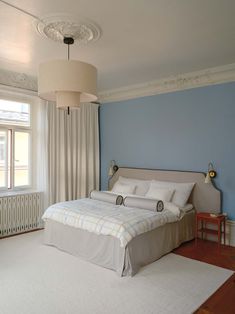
208 178
111 172
68 82
67 99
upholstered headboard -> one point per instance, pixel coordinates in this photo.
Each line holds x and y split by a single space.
205 197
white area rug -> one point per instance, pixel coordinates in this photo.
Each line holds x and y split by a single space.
35 278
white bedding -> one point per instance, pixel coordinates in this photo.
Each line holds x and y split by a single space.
99 217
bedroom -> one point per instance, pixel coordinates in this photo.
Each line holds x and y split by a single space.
166 111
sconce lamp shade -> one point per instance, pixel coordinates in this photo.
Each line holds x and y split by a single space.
112 168
211 173
208 178
68 82
111 171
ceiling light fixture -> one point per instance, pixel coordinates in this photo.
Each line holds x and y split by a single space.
68 82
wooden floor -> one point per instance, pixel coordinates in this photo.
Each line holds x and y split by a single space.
223 300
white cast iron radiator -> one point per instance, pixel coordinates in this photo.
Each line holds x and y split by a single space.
20 213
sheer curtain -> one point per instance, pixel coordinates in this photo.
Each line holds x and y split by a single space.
40 156
72 152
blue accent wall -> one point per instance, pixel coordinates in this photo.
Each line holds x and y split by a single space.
178 131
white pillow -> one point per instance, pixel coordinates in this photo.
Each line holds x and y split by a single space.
142 186
123 188
178 211
186 208
182 190
172 208
159 193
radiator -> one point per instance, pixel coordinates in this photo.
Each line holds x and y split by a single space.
20 213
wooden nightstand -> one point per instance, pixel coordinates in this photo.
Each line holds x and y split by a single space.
201 226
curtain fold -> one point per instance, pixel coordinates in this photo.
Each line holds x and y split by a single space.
40 144
73 152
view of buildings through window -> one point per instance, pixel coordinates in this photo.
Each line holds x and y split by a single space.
15 136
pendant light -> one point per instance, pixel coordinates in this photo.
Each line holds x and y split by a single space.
68 82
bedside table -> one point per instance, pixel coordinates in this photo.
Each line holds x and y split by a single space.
201 226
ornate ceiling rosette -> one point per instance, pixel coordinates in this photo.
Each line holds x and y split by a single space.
57 27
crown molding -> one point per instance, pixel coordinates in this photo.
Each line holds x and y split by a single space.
18 80
211 76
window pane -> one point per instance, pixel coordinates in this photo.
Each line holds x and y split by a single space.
3 158
21 164
12 112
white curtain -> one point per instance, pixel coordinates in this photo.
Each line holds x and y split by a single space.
73 152
40 143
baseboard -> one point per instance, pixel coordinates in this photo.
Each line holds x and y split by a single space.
20 233
230 232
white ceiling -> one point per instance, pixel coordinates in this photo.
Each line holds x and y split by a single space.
142 40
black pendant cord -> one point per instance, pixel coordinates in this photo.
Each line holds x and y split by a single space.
68 106
68 41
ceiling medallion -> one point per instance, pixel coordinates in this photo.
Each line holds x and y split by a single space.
83 31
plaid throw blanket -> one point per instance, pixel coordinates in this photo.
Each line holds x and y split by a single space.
99 217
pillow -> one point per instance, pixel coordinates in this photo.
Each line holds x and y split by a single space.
121 188
182 190
159 193
142 186
106 197
143 203
186 208
178 211
172 208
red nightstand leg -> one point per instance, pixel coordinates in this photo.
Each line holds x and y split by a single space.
202 228
224 231
219 233
196 231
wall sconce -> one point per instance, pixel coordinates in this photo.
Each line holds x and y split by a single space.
211 173
112 168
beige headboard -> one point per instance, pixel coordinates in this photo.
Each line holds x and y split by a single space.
205 197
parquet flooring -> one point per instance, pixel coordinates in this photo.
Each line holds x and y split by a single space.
223 300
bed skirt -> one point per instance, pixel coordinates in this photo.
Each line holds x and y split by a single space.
106 251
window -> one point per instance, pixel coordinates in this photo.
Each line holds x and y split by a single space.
15 144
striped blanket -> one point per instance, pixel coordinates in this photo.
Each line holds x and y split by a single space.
99 217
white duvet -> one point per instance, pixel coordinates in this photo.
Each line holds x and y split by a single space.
118 221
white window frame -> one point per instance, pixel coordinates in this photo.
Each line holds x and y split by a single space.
19 128
6 160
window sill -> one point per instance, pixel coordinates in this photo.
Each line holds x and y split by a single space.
17 192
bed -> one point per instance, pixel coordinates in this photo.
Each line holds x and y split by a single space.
146 247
